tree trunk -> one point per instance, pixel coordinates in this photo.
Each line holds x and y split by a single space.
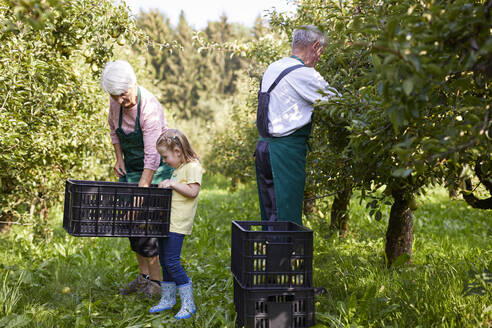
6 188
399 236
453 192
339 212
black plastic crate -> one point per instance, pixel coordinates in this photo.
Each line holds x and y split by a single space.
115 209
274 308
272 254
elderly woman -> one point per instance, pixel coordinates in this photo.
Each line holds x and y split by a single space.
136 120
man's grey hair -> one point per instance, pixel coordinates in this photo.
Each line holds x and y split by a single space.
117 77
306 35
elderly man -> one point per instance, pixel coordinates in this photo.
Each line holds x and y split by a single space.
288 91
136 120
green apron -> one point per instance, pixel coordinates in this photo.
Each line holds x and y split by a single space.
289 175
132 147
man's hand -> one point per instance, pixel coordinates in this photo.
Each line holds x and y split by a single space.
165 184
119 168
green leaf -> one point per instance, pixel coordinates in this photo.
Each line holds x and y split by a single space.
401 260
379 216
401 173
415 61
408 86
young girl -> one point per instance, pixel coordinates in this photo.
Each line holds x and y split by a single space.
176 152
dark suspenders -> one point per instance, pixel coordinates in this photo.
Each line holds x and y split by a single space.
264 100
281 76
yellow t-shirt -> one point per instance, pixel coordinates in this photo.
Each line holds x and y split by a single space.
183 208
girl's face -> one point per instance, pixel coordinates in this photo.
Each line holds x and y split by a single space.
172 157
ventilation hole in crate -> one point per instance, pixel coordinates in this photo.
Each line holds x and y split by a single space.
260 307
261 323
298 279
259 265
277 279
295 306
259 248
302 306
297 264
258 279
299 322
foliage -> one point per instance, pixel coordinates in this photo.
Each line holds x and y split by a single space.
233 148
200 83
236 143
52 52
192 75
72 281
415 78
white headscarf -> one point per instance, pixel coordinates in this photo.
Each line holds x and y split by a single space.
117 77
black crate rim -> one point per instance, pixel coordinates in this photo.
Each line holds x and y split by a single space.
301 229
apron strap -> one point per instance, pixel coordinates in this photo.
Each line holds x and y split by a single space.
137 119
262 120
281 76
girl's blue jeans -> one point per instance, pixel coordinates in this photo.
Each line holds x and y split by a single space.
169 257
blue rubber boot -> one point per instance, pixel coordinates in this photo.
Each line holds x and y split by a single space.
187 304
168 297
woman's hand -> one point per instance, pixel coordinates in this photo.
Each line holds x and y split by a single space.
119 168
165 184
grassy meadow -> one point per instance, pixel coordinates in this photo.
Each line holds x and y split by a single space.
66 281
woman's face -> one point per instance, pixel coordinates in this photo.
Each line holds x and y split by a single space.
127 99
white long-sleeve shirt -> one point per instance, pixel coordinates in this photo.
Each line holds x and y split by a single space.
292 100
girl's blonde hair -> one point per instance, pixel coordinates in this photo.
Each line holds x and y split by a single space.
175 138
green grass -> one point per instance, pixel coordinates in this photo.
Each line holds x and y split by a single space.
452 249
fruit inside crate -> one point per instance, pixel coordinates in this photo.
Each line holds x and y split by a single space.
279 254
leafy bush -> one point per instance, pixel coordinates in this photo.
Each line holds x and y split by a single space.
52 109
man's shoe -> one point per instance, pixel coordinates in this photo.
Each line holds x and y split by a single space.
138 284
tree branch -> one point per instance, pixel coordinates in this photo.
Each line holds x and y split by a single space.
483 204
482 177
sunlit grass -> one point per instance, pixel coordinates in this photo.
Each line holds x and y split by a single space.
452 242
67 281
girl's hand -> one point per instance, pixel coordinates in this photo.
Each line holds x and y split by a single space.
165 184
